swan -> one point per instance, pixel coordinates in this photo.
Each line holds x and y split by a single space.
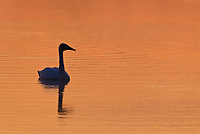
57 73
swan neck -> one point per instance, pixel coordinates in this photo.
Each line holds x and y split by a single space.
61 61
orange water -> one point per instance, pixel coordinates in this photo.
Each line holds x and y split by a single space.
136 68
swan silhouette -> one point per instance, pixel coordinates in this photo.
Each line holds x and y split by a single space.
57 73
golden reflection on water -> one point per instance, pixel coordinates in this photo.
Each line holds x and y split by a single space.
136 69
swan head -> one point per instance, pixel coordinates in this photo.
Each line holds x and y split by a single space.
64 47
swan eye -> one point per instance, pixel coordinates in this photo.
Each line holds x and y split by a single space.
66 48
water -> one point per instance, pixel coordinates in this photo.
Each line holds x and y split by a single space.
136 68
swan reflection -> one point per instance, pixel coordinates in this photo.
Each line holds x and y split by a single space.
57 84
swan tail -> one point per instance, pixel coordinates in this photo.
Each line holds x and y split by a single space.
39 73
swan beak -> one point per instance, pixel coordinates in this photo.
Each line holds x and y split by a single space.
70 48
73 49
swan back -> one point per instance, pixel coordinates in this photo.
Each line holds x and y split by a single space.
53 73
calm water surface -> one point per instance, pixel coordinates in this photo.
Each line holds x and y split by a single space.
135 70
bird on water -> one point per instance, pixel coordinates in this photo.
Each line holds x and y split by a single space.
57 73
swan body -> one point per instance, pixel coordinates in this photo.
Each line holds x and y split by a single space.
53 73
57 73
